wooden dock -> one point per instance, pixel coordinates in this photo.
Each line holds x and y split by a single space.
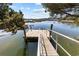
45 47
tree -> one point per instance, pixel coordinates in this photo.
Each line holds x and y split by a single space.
11 19
4 13
61 8
22 23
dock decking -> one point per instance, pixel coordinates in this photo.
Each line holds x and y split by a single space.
45 47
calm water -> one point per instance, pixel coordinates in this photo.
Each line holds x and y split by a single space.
14 44
67 29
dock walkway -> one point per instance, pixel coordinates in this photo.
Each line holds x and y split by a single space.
45 47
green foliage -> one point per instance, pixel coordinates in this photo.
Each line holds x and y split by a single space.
61 8
11 19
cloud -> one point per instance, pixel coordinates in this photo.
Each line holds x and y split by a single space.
28 8
23 8
12 6
38 10
37 3
36 15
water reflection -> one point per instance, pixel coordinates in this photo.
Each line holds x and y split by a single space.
68 29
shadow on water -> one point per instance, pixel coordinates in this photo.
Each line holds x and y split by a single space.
25 51
30 49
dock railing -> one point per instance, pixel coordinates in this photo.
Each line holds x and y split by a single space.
38 49
64 45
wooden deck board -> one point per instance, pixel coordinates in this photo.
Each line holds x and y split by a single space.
49 48
45 34
36 33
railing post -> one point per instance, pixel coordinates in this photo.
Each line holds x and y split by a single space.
56 41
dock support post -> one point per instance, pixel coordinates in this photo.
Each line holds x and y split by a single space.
51 27
50 31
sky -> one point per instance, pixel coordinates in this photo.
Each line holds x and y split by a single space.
31 10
